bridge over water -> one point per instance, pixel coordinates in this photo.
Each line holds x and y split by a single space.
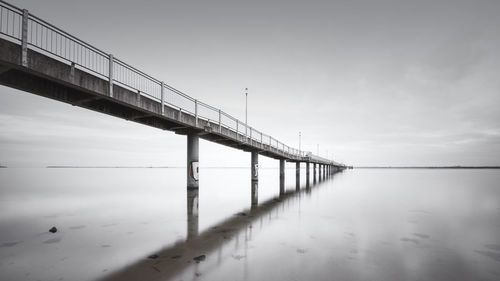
40 58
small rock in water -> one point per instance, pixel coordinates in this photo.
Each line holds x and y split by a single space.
241 214
301 251
154 256
53 229
199 259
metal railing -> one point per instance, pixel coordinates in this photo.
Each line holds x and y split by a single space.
19 26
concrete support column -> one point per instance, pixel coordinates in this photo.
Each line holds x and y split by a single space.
324 171
192 161
314 172
282 176
255 178
319 172
307 174
297 175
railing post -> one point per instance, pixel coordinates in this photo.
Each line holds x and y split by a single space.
162 98
24 39
196 113
110 75
250 135
237 134
220 127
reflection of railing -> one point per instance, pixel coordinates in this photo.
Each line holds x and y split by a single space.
29 31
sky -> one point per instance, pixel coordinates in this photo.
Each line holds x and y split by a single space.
369 82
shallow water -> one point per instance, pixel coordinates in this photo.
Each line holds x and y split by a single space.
356 225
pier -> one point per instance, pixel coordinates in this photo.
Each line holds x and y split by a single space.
42 59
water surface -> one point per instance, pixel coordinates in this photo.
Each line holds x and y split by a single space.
119 224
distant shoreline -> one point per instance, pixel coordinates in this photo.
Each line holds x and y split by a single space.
112 167
135 167
427 167
151 167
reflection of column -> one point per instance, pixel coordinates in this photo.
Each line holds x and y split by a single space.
192 213
255 178
282 176
255 193
297 175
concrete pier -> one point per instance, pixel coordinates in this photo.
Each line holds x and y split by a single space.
319 172
308 167
192 161
297 175
282 176
90 79
314 172
255 166
255 178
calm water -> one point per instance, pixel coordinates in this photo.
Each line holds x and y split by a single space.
356 225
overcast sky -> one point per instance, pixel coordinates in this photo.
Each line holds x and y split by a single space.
371 82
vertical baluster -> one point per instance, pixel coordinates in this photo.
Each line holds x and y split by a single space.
110 74
24 40
196 113
162 85
220 123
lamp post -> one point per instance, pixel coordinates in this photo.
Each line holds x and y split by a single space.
246 111
299 142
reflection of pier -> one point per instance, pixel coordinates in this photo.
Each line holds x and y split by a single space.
213 243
